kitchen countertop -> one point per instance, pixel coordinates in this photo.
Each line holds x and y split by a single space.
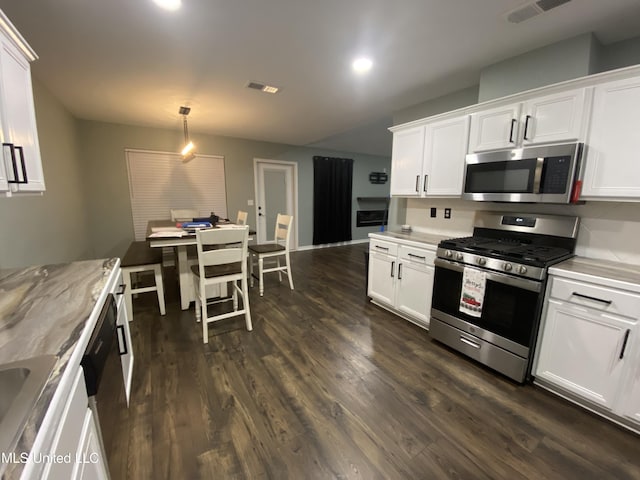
412 238
44 311
613 274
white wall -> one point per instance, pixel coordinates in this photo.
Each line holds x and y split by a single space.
608 230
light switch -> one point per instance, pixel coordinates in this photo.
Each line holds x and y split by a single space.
250 202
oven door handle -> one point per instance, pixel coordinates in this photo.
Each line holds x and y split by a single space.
513 281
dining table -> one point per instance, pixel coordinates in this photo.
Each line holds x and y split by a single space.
166 233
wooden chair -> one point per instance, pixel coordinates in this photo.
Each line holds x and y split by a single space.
277 251
140 257
241 219
221 259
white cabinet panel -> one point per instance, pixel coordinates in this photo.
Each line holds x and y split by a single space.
90 463
406 161
126 348
494 129
612 168
554 118
413 292
18 118
445 148
580 352
402 279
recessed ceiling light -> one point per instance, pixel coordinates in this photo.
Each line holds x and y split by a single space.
362 65
171 5
263 87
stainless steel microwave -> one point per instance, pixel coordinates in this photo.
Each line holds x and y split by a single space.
546 174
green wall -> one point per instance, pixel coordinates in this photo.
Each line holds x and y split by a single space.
49 228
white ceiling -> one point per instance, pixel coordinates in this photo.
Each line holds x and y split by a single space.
127 61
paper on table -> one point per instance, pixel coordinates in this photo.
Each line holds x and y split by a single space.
167 233
165 229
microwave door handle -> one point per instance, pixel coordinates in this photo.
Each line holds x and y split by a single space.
537 175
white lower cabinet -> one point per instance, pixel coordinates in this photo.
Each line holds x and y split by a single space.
76 442
401 279
124 339
589 350
90 465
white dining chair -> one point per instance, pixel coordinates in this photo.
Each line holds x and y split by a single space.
222 256
183 214
241 219
278 250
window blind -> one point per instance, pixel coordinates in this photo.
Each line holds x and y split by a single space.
160 181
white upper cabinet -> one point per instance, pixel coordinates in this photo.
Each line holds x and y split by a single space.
612 168
21 169
406 161
428 159
554 118
445 147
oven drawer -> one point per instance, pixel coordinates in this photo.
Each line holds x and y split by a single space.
595 296
380 246
416 255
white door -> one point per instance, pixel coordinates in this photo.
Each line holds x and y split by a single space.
382 271
406 161
494 129
276 192
413 293
580 352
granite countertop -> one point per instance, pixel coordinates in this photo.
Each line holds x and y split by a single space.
614 274
44 311
417 237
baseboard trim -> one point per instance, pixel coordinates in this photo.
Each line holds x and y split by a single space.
329 245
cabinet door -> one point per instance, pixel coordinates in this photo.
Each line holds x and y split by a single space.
406 161
125 347
382 277
580 351
90 461
445 148
612 168
554 118
413 291
631 395
19 121
494 129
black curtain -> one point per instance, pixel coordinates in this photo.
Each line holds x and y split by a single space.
332 183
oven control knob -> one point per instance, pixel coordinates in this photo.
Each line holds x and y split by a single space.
507 267
448 253
458 256
481 261
522 269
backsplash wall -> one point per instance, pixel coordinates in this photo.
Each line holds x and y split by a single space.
608 230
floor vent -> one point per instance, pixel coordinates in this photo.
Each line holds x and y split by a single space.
532 9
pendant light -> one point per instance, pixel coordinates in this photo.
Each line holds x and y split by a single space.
188 152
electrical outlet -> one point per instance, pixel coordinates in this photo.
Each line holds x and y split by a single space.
250 202
433 212
447 213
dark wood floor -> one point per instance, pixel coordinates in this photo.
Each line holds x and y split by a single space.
329 386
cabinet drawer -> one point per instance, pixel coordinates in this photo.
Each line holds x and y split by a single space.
416 255
380 246
596 297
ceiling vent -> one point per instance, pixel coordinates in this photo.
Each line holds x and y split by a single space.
532 9
262 87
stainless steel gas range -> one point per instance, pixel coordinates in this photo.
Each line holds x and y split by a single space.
489 288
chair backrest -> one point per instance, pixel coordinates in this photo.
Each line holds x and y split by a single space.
242 218
183 214
219 246
283 230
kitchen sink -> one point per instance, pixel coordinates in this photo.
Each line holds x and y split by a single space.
21 384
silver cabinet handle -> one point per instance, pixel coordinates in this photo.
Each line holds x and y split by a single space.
416 256
381 248
393 264
399 271
426 177
121 289
470 343
417 183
